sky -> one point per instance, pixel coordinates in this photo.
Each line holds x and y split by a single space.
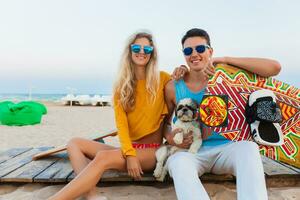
51 46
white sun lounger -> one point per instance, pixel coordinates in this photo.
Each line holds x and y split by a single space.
84 100
69 99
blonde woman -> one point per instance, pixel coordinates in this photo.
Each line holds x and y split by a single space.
140 110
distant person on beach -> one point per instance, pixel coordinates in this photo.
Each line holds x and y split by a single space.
217 154
140 112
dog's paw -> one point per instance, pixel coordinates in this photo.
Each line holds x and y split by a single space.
178 138
157 172
163 175
161 178
192 151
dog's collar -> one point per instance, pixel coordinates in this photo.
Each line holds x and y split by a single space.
186 120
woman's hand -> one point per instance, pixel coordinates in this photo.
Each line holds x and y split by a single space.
187 139
179 72
134 167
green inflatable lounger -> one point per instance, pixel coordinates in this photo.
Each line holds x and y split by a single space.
22 113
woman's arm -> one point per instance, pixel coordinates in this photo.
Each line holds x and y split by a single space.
134 168
123 130
261 66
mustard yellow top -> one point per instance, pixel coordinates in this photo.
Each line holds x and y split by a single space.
144 119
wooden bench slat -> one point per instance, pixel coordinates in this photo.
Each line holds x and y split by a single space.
18 161
4 156
217 178
273 168
114 175
58 172
291 167
18 167
110 175
27 172
71 176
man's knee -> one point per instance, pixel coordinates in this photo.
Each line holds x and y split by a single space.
247 148
247 153
182 163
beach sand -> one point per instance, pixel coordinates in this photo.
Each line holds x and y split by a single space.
64 122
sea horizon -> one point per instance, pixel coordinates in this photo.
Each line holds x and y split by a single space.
16 97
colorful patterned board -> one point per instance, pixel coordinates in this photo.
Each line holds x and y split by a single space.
214 110
238 84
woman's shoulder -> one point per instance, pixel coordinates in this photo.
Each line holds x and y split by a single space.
164 75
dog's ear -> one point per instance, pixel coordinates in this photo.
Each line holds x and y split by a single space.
195 114
195 104
195 111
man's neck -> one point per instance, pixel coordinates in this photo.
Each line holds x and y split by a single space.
195 80
195 76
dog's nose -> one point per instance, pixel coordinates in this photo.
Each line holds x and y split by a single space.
185 110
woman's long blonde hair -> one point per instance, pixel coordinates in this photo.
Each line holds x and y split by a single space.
124 87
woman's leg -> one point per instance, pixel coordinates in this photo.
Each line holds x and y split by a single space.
243 160
104 160
79 150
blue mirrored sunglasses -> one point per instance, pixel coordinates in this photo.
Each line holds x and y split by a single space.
200 49
136 48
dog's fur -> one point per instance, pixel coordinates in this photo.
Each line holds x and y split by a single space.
186 113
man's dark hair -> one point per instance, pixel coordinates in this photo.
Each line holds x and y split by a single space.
196 32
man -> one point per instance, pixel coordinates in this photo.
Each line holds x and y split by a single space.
217 154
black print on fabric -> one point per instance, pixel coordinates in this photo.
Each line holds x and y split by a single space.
268 111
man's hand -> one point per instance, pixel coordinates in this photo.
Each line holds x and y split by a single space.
209 70
206 132
187 139
134 167
179 72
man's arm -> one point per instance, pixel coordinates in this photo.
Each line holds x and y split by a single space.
261 66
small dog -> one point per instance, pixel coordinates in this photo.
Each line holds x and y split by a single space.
186 113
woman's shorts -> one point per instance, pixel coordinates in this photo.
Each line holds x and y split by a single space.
145 146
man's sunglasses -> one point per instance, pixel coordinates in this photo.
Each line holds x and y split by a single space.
136 48
200 49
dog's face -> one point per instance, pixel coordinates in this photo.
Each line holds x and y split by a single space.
186 110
